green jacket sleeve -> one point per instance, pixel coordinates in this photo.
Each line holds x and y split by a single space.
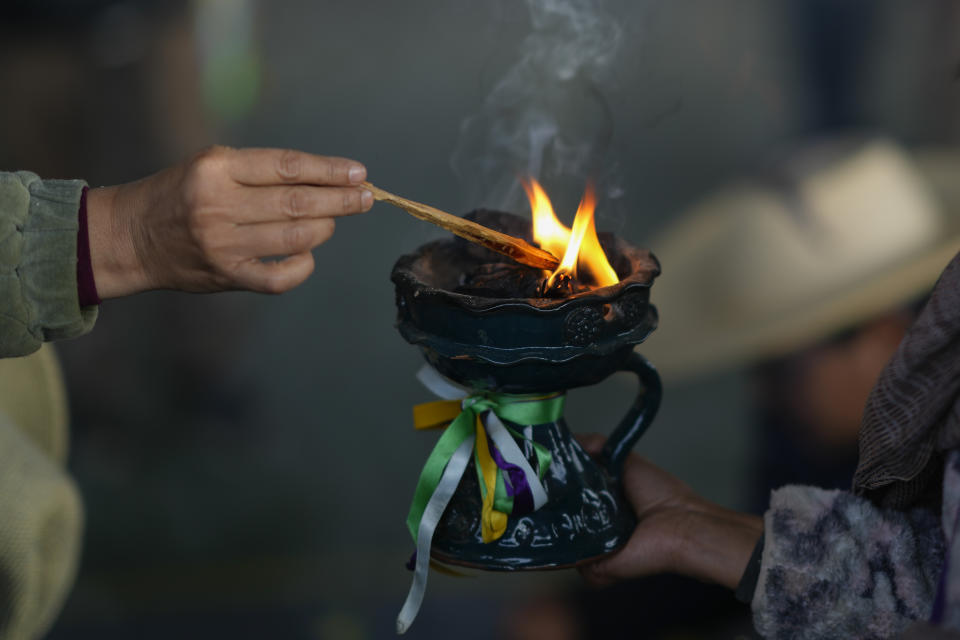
38 263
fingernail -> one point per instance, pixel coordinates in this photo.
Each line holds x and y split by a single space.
366 199
357 173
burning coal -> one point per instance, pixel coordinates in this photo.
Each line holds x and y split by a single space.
580 246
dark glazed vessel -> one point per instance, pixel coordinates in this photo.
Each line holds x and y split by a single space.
536 345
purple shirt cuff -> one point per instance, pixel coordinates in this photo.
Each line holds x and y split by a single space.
86 287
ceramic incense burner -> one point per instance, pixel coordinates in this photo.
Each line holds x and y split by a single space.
535 346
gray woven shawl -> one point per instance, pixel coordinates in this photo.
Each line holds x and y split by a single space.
913 413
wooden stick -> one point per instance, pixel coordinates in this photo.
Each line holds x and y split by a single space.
512 247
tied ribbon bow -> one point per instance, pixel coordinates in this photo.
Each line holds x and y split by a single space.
508 484
474 429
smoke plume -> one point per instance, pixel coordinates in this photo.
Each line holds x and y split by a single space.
546 117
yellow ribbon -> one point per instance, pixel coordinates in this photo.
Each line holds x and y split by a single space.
435 415
493 523
439 414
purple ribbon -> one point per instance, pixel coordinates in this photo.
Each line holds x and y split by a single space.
515 481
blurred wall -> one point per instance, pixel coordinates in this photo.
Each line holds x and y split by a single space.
244 453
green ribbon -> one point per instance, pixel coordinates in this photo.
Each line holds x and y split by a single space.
518 409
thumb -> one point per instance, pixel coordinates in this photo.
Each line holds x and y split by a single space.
602 572
592 443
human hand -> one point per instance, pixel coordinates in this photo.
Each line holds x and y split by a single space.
205 225
677 530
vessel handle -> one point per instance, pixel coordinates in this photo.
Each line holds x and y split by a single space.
638 418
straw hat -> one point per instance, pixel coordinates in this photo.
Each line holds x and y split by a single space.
842 234
42 523
34 398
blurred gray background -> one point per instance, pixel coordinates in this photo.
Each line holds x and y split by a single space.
247 461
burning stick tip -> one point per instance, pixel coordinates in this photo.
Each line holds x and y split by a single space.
502 243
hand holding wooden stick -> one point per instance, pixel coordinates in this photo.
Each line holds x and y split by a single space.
502 243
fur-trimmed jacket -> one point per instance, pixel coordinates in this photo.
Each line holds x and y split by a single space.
884 559
834 565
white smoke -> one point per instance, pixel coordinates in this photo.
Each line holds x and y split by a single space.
546 117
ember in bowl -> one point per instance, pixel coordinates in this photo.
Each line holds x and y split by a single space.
486 324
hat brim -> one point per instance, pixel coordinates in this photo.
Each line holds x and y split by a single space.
722 346
695 338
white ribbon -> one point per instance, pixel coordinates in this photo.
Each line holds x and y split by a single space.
441 387
428 523
512 454
448 390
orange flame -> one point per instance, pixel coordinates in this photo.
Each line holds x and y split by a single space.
549 233
580 248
